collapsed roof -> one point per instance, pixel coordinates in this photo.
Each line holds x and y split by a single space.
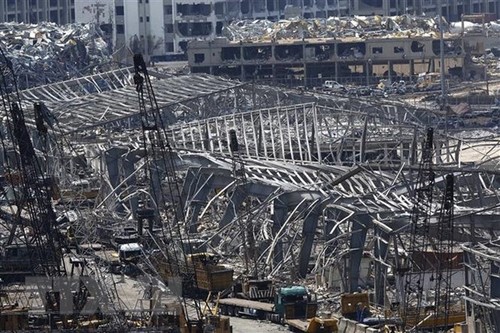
333 27
46 52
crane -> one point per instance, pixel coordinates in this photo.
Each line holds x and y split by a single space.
430 252
158 161
32 187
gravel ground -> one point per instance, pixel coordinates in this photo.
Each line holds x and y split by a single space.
241 325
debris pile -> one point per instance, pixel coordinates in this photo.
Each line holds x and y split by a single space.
333 27
46 52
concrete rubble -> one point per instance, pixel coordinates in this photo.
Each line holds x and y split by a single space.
45 52
348 196
332 27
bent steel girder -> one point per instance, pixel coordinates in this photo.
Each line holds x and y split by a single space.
283 204
112 157
359 228
202 182
303 132
240 193
380 250
308 231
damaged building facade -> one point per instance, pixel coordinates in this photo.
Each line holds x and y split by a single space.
362 50
180 21
167 26
34 11
349 59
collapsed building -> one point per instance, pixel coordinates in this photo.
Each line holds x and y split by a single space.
341 194
361 49
188 180
46 52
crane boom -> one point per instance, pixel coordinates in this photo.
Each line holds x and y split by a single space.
32 188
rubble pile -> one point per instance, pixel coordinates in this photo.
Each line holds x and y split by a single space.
333 27
46 52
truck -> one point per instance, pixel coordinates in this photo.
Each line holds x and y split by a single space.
333 85
294 306
200 273
254 289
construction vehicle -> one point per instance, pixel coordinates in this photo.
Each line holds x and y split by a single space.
355 306
294 306
254 289
201 272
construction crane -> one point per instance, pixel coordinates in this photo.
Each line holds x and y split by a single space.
247 233
34 245
160 166
430 258
32 188
414 272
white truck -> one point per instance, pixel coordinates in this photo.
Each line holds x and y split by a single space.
334 85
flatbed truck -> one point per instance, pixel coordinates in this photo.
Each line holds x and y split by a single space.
293 306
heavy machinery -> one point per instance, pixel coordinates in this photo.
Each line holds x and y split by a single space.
201 271
197 271
34 224
432 255
294 306
254 289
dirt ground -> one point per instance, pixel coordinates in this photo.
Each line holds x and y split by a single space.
241 325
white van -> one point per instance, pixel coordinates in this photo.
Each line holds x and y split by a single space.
129 252
332 85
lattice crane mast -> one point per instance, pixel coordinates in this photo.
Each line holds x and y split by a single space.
32 188
247 233
413 270
430 261
160 166
445 257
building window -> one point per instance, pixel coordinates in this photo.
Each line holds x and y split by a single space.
219 8
33 3
398 49
53 16
168 9
53 3
169 28
377 50
33 18
147 18
169 47
119 10
141 19
120 29
199 58
11 5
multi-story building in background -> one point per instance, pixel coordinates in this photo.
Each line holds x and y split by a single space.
34 11
166 26
161 27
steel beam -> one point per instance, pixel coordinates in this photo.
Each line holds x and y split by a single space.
359 228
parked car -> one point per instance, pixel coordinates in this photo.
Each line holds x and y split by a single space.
333 85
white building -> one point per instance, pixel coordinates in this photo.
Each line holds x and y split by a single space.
160 27
35 11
